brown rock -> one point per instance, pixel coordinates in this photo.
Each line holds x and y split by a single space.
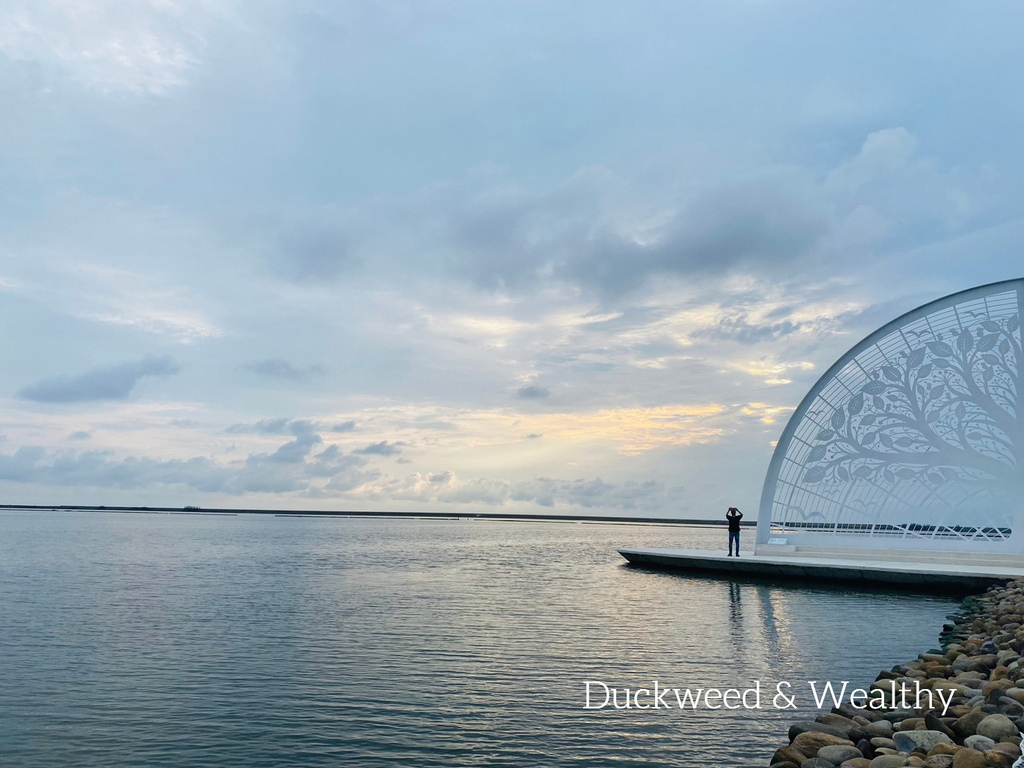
1009 748
910 724
968 758
839 722
996 685
997 759
813 725
888 761
788 754
809 742
848 710
1017 694
982 663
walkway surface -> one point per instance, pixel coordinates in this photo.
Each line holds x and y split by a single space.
973 576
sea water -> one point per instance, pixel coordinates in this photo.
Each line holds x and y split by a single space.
251 640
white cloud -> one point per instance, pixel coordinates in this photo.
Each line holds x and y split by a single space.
127 46
120 297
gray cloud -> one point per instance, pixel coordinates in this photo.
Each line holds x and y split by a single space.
111 383
282 369
766 222
519 242
280 426
532 392
738 328
315 252
261 427
606 235
383 448
516 240
344 426
298 449
285 471
80 435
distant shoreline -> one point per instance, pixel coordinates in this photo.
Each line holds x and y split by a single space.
188 510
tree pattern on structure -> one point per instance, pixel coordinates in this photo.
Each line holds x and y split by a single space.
943 411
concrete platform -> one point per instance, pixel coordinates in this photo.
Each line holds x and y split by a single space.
972 576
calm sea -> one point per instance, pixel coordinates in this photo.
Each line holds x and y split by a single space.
182 640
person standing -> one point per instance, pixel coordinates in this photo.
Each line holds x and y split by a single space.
734 516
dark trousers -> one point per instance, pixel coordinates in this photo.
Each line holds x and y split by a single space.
734 536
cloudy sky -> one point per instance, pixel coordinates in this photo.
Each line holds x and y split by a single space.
483 256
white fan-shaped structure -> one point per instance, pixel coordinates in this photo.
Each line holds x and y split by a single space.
912 439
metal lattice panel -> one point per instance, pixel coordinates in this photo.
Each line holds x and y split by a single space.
912 434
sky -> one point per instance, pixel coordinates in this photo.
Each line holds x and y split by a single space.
489 256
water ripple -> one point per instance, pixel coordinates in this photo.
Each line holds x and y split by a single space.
208 641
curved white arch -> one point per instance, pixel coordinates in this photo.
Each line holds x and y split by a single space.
911 439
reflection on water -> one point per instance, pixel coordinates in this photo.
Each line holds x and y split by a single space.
736 614
183 640
767 615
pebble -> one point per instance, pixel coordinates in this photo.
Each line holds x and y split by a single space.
998 728
908 741
839 754
980 743
810 725
809 742
817 762
980 661
969 758
888 761
878 728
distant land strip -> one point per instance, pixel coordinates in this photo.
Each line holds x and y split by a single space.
188 510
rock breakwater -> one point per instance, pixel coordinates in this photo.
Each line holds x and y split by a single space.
981 661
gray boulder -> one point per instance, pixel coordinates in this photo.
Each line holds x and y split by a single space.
979 742
999 728
908 741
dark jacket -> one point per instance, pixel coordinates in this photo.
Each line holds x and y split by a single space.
734 522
